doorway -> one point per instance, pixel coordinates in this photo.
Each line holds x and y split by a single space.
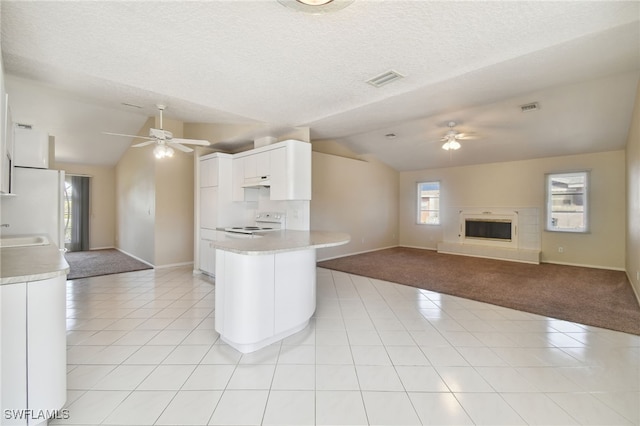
76 212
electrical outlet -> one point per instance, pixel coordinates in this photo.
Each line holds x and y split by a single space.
560 249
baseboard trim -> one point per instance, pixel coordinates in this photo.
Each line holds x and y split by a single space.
635 292
135 257
105 248
419 247
354 253
173 265
583 265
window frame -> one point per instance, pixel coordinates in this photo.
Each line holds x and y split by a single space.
585 229
419 209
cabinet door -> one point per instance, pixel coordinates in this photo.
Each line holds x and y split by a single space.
237 179
13 359
209 172
208 207
257 165
207 257
47 343
249 166
279 176
263 164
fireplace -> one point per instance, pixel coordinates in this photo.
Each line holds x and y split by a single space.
496 233
493 228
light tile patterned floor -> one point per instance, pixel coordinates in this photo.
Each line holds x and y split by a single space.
142 350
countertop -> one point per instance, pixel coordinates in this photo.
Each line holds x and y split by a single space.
31 263
278 241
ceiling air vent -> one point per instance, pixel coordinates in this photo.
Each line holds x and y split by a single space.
533 106
385 78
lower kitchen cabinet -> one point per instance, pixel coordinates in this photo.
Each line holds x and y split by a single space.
261 299
207 257
34 361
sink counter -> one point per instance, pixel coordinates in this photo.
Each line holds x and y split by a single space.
273 242
31 263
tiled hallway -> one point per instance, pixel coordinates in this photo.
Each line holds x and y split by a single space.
142 350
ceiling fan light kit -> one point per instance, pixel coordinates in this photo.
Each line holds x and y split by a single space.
451 138
164 140
316 6
451 145
163 151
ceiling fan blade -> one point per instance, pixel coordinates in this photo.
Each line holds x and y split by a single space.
179 147
145 143
127 136
191 141
466 136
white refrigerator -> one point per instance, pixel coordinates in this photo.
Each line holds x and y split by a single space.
37 206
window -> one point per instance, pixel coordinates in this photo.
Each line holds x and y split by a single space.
429 203
567 207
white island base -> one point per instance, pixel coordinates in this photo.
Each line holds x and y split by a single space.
263 298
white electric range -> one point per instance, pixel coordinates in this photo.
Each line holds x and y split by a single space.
264 222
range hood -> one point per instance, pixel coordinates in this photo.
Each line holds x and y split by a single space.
257 182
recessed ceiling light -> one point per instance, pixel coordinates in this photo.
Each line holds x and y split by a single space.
316 6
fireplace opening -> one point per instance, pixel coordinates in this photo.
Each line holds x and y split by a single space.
493 229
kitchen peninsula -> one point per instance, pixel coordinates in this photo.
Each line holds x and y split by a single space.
266 284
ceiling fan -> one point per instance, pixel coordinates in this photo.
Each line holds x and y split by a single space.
164 140
452 137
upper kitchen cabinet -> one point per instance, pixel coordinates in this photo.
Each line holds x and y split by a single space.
31 147
285 167
291 171
209 168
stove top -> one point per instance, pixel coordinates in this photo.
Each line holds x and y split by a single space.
249 229
273 221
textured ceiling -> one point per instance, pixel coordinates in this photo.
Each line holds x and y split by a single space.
259 62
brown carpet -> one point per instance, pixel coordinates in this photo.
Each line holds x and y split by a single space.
83 264
596 297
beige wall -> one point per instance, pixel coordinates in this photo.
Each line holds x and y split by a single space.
357 197
633 199
135 206
521 184
174 221
102 217
155 202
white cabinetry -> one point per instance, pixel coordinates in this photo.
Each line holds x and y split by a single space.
257 166
31 147
33 346
215 209
291 172
284 166
261 299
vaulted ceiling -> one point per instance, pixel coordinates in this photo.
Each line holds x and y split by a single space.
72 65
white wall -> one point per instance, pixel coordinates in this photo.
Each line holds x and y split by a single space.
632 263
354 196
521 184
